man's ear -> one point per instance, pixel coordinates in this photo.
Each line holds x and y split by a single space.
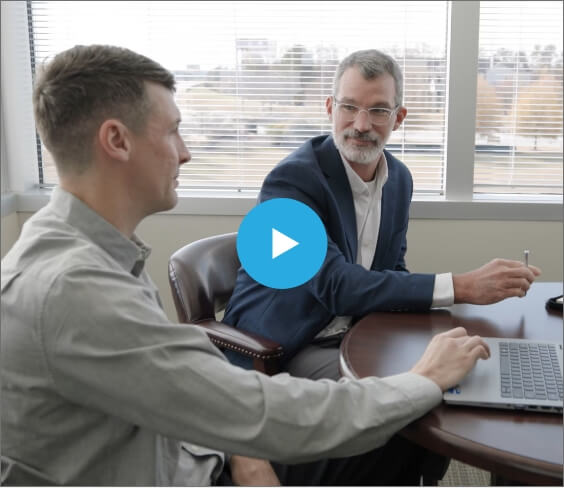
114 139
400 115
329 108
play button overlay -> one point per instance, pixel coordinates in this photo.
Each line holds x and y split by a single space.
281 243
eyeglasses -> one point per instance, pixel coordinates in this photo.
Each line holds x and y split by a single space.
377 115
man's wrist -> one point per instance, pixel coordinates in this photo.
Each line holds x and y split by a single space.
460 285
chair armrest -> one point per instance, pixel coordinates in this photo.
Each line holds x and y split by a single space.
265 352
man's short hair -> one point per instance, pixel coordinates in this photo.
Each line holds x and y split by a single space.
85 85
371 63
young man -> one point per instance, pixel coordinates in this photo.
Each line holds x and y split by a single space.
362 193
98 387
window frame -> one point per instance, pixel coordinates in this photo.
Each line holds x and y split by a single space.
20 164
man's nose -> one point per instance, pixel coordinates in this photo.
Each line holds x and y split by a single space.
362 122
184 154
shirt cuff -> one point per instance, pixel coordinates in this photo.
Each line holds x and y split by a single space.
443 292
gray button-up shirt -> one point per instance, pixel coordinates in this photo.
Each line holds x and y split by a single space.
100 388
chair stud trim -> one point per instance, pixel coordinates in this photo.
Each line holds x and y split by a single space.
228 345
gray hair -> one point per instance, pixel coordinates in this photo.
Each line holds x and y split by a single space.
85 85
372 63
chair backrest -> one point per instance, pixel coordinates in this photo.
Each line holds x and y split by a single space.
202 276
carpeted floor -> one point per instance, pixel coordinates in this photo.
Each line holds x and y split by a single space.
460 474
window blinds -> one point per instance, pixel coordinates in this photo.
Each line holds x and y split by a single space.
252 77
519 100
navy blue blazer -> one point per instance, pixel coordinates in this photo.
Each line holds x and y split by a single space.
314 174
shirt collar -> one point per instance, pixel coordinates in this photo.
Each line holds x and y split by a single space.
129 253
360 187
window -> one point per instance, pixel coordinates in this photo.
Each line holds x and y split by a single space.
519 98
252 78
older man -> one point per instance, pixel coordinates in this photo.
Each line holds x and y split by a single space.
362 193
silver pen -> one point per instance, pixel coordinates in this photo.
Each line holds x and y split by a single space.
526 253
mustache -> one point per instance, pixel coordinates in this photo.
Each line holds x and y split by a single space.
361 136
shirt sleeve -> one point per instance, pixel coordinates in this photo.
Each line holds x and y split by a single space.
443 292
109 346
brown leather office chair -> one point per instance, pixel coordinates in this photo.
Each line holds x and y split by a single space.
202 276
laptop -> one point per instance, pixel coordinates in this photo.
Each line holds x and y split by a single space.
520 374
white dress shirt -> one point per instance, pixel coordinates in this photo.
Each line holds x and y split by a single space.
367 196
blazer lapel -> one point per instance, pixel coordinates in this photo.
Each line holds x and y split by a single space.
386 218
330 162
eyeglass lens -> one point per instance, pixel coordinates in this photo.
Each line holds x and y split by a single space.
377 116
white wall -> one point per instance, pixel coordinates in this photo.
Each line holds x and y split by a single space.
433 245
9 232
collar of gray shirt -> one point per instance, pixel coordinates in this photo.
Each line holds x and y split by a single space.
129 253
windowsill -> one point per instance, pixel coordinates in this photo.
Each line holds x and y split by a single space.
9 204
491 207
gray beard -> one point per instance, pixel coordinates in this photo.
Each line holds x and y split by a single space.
363 156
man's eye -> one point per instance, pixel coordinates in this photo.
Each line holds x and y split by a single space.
349 108
379 111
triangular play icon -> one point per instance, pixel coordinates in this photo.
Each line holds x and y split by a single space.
281 243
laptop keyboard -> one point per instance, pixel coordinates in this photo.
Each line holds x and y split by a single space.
530 371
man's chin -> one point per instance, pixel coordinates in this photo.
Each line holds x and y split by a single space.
169 203
363 158
173 201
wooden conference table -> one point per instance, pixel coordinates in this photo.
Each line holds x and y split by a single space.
517 445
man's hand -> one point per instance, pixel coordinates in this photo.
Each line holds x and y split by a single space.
493 282
450 356
247 471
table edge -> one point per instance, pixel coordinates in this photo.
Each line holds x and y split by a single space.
530 470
